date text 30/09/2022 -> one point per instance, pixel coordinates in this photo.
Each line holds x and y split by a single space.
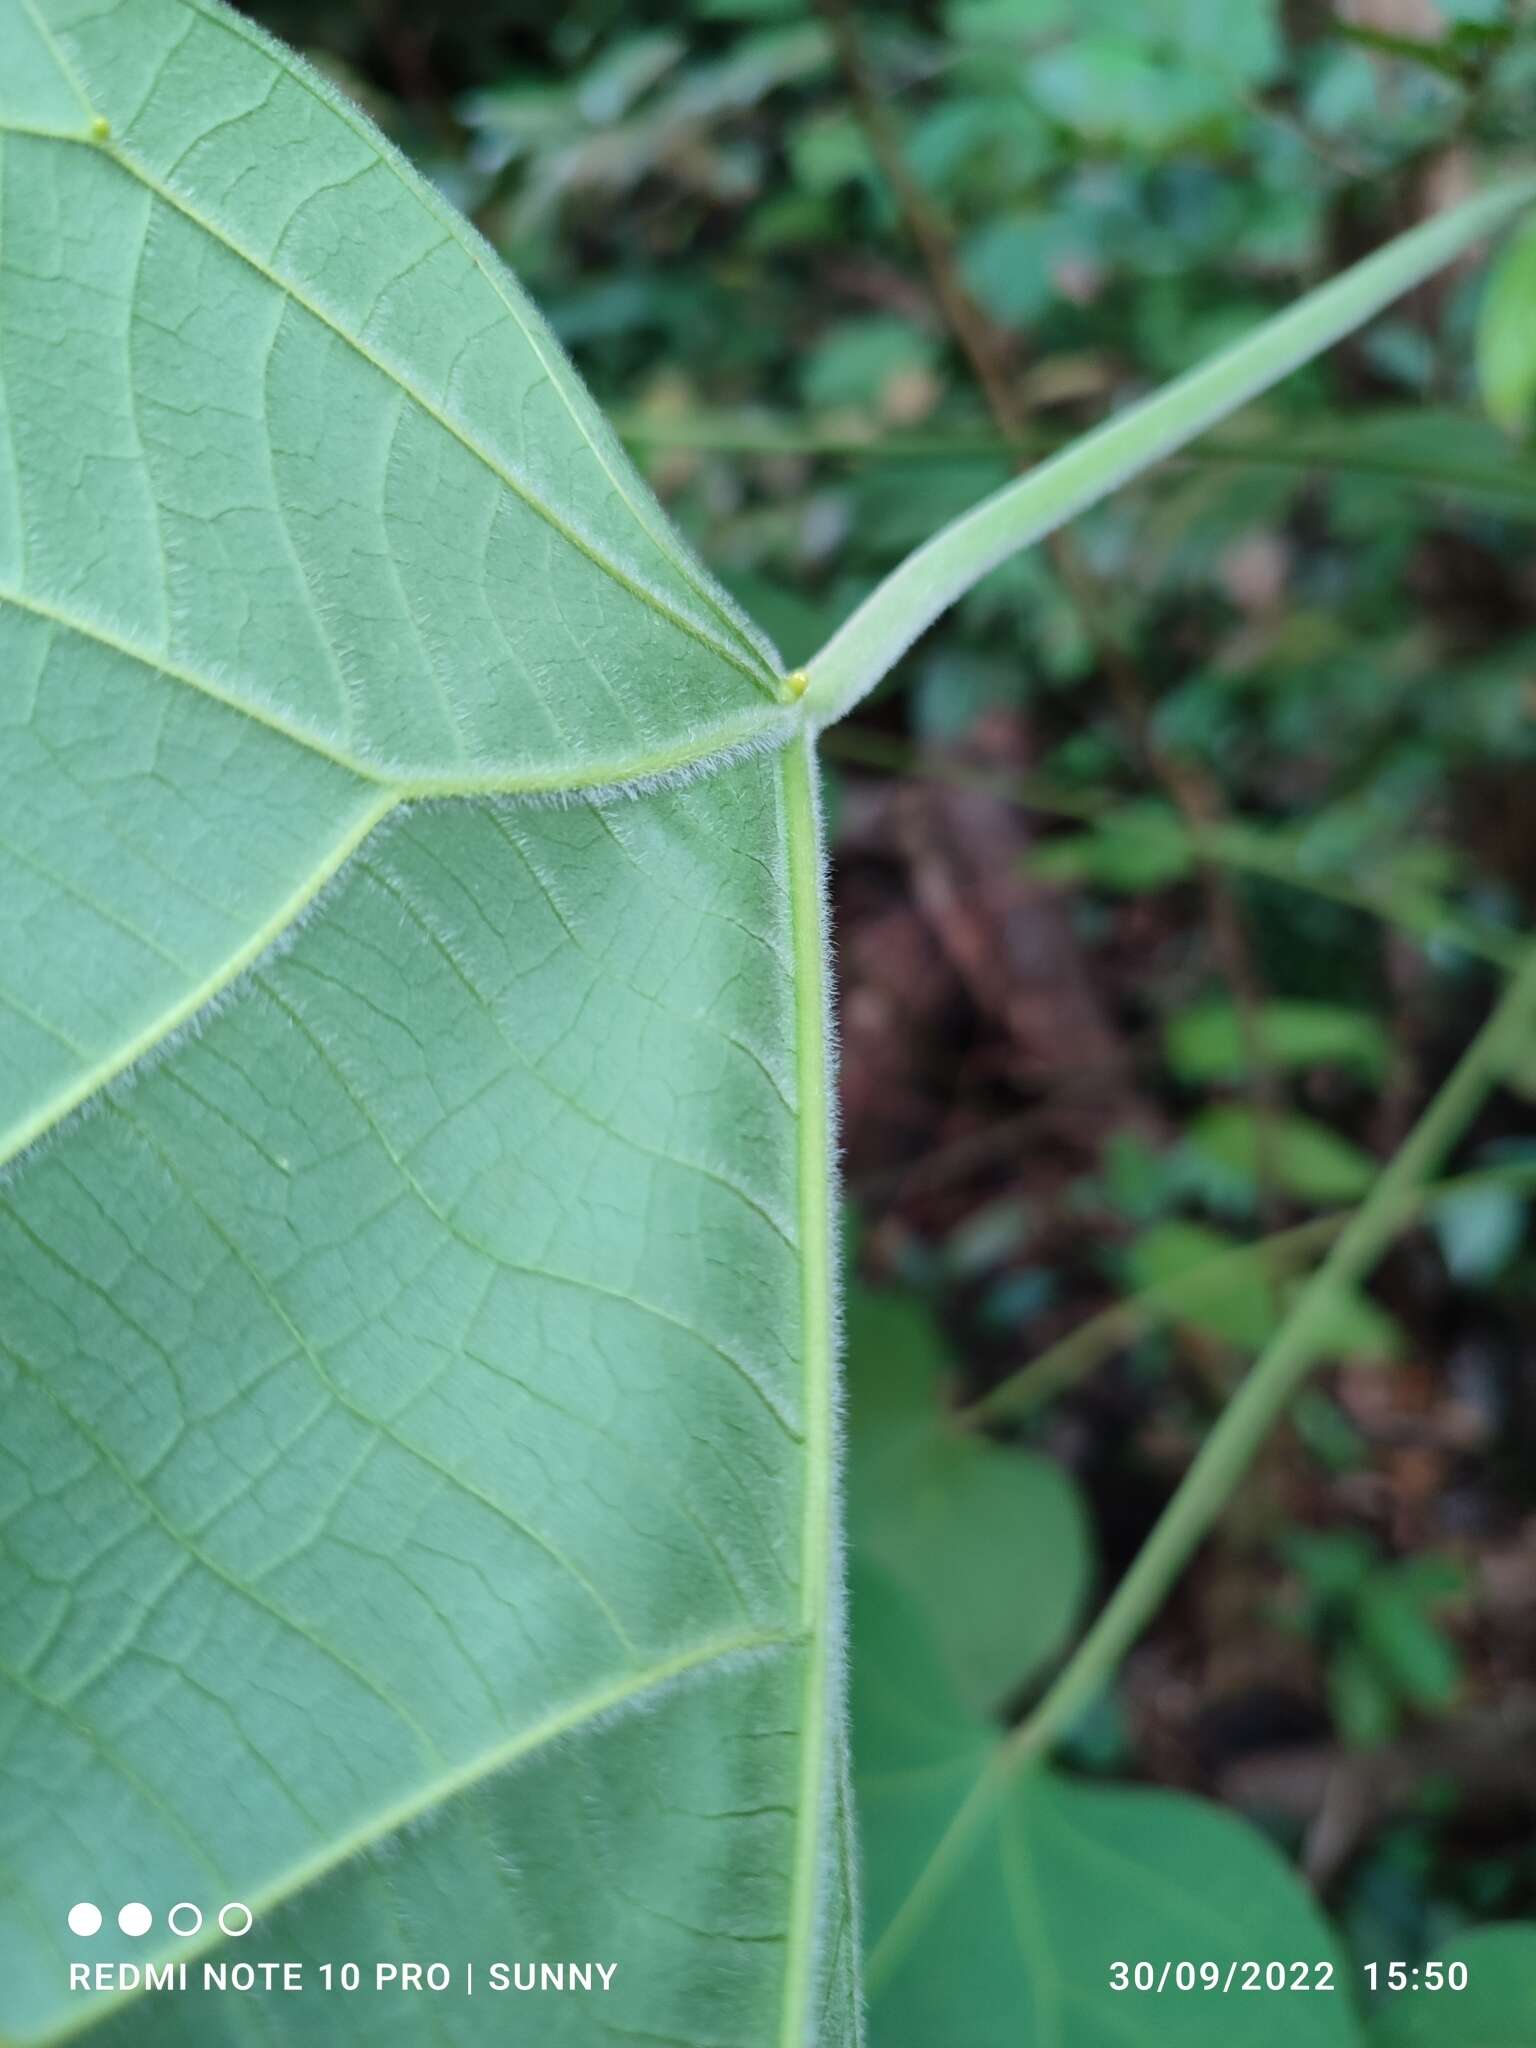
469 1978
1240 1976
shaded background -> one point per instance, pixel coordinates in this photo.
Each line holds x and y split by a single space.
1173 868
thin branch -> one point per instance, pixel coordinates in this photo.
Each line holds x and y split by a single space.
1282 1367
1098 1338
1228 1450
984 348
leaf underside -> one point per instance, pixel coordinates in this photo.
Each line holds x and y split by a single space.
414 1492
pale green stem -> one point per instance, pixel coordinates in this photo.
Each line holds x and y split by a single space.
1228 1450
882 628
1062 1364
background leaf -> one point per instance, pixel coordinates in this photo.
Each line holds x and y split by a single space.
1205 1042
1061 1880
1238 1302
989 1542
1506 336
1494 2011
1309 1159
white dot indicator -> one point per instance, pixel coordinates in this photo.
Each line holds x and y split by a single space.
85 1918
135 1919
235 1906
185 1907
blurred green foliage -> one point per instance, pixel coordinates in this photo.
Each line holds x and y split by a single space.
1506 337
1376 1622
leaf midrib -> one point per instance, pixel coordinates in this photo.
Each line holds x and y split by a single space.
453 220
810 988
108 144
703 753
33 1127
760 677
405 785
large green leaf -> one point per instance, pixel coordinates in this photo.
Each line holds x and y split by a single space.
1490 2003
989 1542
415 1498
